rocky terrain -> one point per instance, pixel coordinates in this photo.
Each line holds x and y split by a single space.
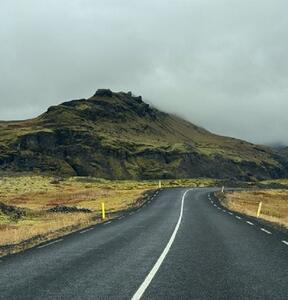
118 136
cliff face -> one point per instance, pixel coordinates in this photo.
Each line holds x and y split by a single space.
117 135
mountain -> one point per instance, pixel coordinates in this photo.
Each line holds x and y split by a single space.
118 136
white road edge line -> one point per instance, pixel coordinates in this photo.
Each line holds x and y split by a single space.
250 223
266 231
106 223
285 242
46 245
86 230
239 218
141 290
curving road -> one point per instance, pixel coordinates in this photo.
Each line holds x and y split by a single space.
181 245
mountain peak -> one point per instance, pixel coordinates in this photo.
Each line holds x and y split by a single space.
108 93
104 104
103 93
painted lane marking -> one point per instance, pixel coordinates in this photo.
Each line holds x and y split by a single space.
266 231
106 223
215 205
139 293
230 213
46 245
250 223
224 210
86 230
120 218
239 218
285 242
218 207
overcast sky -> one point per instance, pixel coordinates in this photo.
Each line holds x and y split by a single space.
221 64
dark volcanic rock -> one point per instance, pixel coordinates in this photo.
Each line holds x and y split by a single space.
68 209
104 93
12 211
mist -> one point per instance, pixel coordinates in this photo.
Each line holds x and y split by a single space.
220 64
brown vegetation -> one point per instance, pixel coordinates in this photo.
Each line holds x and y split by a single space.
274 208
37 208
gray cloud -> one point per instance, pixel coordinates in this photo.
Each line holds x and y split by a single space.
221 64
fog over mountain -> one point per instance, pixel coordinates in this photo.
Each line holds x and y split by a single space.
221 64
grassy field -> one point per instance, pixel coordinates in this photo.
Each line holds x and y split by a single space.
45 207
274 208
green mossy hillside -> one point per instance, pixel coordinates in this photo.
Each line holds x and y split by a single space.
118 136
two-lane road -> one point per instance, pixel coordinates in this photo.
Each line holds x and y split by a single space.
181 245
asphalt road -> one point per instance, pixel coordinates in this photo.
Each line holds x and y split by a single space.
176 247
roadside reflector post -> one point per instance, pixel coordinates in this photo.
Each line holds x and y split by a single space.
259 209
103 210
160 184
222 189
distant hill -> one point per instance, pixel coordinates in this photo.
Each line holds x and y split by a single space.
117 135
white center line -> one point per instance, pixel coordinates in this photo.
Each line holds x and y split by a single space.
86 230
266 231
139 293
46 245
285 242
250 223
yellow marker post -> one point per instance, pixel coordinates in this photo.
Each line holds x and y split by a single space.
103 211
160 184
259 209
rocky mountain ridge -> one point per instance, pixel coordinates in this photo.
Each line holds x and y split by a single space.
118 136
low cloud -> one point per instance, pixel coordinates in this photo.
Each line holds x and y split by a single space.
221 64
